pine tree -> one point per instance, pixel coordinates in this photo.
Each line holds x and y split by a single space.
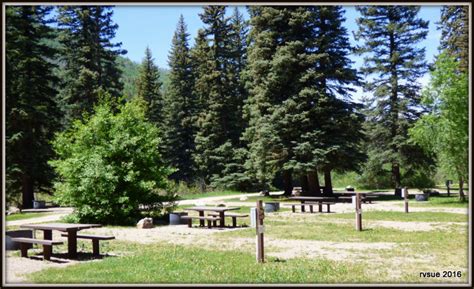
233 175
31 110
454 27
298 71
215 125
271 75
390 34
148 88
180 107
89 57
336 117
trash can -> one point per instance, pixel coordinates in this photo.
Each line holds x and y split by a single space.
272 206
10 245
39 204
422 197
175 218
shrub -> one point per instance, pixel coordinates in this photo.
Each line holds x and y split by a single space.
109 164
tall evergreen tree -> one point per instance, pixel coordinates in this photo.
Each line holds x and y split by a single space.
89 57
233 175
269 28
216 127
454 27
148 87
298 69
31 110
180 107
390 34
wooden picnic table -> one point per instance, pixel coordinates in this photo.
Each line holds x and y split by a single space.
320 200
220 210
71 230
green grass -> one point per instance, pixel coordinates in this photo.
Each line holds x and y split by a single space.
403 217
337 232
208 194
22 216
162 263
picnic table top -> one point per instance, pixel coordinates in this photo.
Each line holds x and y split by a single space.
60 226
215 209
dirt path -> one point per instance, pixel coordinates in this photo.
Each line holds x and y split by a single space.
56 214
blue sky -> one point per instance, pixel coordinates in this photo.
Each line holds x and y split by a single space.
153 26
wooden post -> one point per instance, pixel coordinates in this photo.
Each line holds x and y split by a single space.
260 229
405 196
447 185
358 210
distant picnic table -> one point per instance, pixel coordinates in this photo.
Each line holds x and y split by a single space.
220 210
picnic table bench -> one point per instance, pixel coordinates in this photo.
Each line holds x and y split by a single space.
95 241
234 217
47 246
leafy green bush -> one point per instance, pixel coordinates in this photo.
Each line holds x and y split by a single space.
109 165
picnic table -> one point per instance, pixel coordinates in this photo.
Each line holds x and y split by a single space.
71 230
220 210
319 200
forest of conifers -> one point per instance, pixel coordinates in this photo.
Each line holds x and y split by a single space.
254 104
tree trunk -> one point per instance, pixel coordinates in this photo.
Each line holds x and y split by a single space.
327 182
27 192
397 179
304 185
313 184
461 189
287 183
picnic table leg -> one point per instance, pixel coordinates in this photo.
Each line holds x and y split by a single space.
221 215
293 208
72 244
320 207
311 208
329 209
47 234
201 222
302 207
234 222
24 249
95 247
47 250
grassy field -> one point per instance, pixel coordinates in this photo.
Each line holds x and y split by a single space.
22 216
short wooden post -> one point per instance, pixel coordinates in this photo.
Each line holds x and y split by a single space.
358 211
260 230
405 196
448 182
